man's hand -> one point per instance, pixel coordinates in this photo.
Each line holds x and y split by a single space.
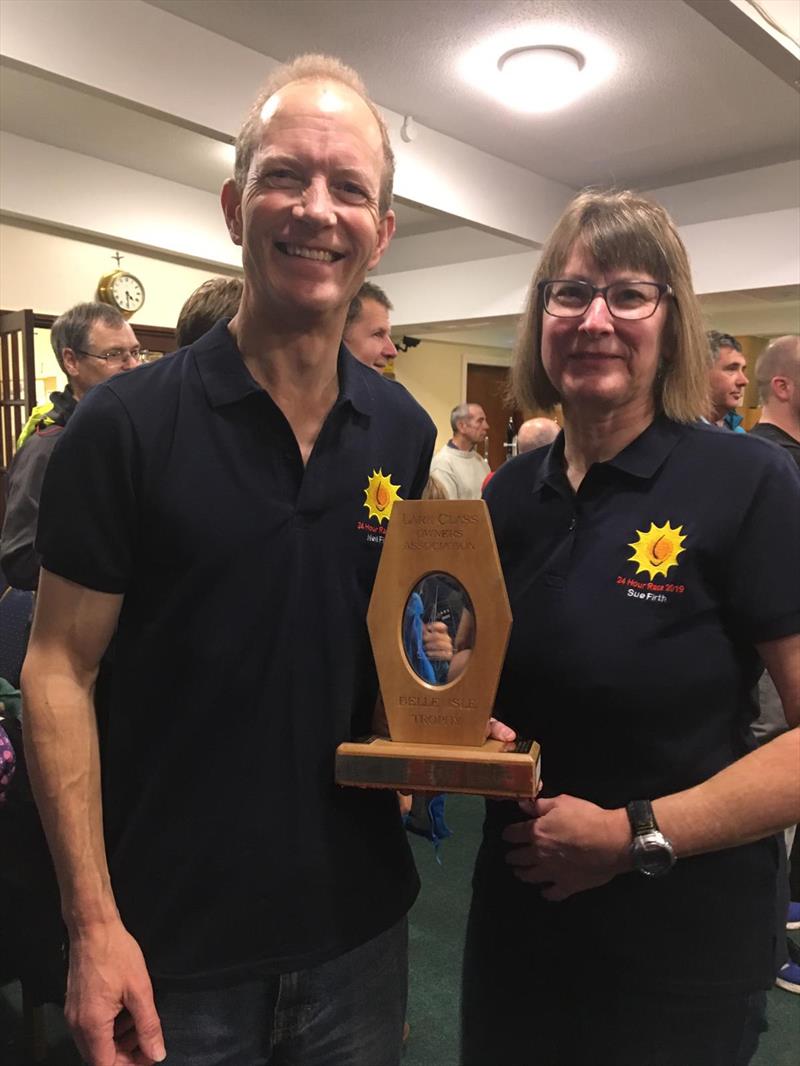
109 1006
568 845
437 642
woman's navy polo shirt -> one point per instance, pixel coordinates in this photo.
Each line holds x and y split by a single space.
637 602
242 657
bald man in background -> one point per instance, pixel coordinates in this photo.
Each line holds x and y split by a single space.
536 433
778 379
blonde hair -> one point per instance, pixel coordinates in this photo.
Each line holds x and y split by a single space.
434 490
311 67
621 230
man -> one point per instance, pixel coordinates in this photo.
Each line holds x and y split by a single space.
778 378
367 331
458 467
227 514
215 299
727 380
536 433
92 342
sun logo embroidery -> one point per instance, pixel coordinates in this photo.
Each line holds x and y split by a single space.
657 550
380 495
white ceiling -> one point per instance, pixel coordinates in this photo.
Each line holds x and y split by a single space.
684 103
74 118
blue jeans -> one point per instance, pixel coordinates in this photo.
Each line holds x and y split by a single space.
346 1012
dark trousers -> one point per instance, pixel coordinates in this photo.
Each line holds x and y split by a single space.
520 1008
346 1012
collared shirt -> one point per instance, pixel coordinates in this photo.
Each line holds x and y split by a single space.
637 602
242 657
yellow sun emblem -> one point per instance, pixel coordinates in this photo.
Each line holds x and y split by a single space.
658 549
380 495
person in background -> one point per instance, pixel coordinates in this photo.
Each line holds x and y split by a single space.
726 379
215 299
778 378
367 331
459 467
650 562
92 342
225 900
536 433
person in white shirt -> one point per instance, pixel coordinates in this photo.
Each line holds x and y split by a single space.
458 467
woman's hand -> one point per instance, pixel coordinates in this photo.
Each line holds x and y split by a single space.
568 845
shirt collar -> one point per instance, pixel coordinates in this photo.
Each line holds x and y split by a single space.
227 380
641 458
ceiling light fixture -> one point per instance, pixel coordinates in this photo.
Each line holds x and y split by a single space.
534 73
541 77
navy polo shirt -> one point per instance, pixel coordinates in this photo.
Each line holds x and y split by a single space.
637 602
242 657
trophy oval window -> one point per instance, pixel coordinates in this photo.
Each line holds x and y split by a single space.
438 628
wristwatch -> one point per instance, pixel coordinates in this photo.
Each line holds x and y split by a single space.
652 853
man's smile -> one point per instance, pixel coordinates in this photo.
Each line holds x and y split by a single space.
322 255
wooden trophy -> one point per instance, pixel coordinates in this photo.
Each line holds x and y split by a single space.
439 621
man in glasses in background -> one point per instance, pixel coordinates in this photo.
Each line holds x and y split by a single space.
92 342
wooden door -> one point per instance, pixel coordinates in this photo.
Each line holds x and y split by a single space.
17 386
486 385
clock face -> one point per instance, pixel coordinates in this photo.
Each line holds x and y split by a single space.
127 292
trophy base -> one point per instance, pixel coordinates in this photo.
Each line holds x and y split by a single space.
504 771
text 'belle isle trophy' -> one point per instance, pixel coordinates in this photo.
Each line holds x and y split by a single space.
439 621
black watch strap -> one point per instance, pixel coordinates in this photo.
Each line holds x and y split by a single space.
641 817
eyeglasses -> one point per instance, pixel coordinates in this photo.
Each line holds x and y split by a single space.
118 356
570 297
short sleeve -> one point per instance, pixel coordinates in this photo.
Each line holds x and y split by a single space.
423 469
88 515
763 570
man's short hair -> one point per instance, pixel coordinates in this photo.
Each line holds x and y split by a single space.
368 291
71 330
458 414
311 67
215 299
717 340
780 358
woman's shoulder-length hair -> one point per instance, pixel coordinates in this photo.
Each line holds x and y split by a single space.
621 230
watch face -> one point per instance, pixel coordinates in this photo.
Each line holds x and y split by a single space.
654 855
127 292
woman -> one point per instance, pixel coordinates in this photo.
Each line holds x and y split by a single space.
650 560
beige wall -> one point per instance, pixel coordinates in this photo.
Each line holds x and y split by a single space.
434 374
50 272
